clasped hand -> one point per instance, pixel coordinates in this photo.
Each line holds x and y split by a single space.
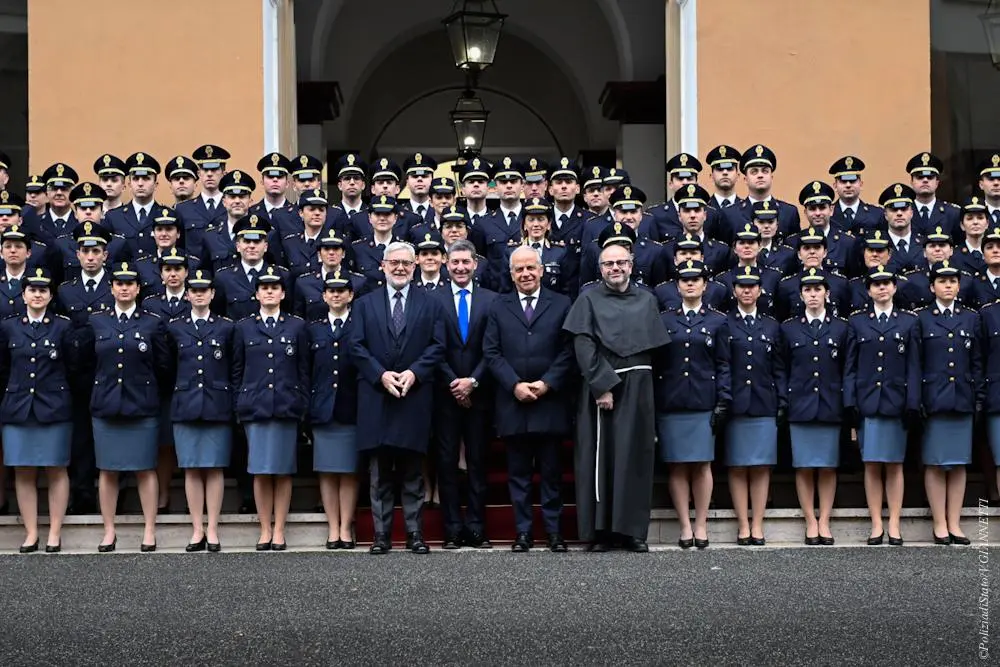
526 392
397 384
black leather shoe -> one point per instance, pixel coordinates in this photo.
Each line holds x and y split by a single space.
944 541
877 540
895 541
757 541
743 541
347 544
147 548
826 540
812 541
264 546
476 540
522 543
214 547
701 544
200 545
107 548
53 548
636 545
29 548
279 546
334 545
685 544
451 542
955 539
557 544
415 543
381 545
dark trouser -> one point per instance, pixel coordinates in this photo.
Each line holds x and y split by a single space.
408 466
522 453
454 426
82 464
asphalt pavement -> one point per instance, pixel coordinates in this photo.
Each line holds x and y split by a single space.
817 606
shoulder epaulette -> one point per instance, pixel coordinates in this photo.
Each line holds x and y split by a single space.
293 316
907 311
288 236
61 317
74 281
838 317
713 310
922 309
952 204
146 312
357 241
790 319
794 275
859 311
247 317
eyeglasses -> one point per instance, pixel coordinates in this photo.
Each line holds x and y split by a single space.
620 263
396 263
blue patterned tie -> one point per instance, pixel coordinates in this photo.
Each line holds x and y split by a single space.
463 314
398 318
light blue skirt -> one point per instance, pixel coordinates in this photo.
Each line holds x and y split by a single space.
751 441
36 445
883 440
685 437
947 440
125 445
203 444
272 446
334 448
993 430
815 445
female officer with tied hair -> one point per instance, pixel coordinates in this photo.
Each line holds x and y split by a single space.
879 340
130 352
271 371
36 411
202 406
758 372
814 346
333 410
693 399
536 230
947 365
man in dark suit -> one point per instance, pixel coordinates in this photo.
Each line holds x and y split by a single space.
398 342
530 357
463 402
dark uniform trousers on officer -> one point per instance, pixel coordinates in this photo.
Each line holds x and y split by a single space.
519 349
78 301
454 424
396 431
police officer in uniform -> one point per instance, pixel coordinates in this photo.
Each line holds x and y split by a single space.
947 366
166 233
691 202
111 171
723 163
309 303
134 221
814 345
235 291
58 218
918 290
36 356
905 243
557 263
80 298
874 253
206 210
986 289
333 410
35 198
747 254
649 265
688 248
181 173
283 214
430 273
758 164
774 252
218 243
454 228
271 370
759 406
16 250
567 217
842 253
850 212
502 229
132 364
682 170
201 406
812 255
693 399
367 251
969 255
307 172
879 340
419 169
925 176
300 248
594 195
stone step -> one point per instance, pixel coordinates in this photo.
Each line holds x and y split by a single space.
783 527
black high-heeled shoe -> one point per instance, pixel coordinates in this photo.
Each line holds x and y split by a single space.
700 544
943 541
334 545
200 545
53 548
107 548
757 541
147 548
347 544
214 547
264 546
812 541
877 540
826 540
895 541
743 541
28 548
685 544
955 539
279 546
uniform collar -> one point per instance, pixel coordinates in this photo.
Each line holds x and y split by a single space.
129 313
941 307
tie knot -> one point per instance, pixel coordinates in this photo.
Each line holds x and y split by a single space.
528 300
749 320
199 322
338 322
269 321
689 314
511 215
123 317
254 272
536 245
463 292
883 318
398 296
563 218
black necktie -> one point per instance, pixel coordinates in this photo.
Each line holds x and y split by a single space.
563 219
210 205
849 216
977 254
536 245
143 216
901 246
421 210
430 285
996 283
511 218
269 323
253 273
815 324
337 323
924 213
123 318
749 320
91 285
35 324
475 218
883 318
380 247
15 283
996 216
947 313
726 203
199 323
310 242
689 315
173 301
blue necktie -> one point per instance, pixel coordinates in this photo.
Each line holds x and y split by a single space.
463 314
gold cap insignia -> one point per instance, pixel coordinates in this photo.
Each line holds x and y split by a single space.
60 170
722 151
878 234
748 227
925 159
628 191
881 268
817 187
14 228
4 196
691 189
317 193
937 231
165 214
944 263
618 228
898 190
767 206
88 228
208 151
690 264
427 237
107 160
124 266
747 270
975 201
139 157
684 160
270 270
39 272
382 199
180 162
383 163
613 172
253 220
304 160
87 188
596 171
564 163
759 150
350 159
336 274
476 163
812 272
533 164
197 274
237 175
418 158
506 163
849 162
996 160
173 251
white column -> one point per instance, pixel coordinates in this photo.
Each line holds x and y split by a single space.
689 75
272 77
642 156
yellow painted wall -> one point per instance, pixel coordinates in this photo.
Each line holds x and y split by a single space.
158 77
816 80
